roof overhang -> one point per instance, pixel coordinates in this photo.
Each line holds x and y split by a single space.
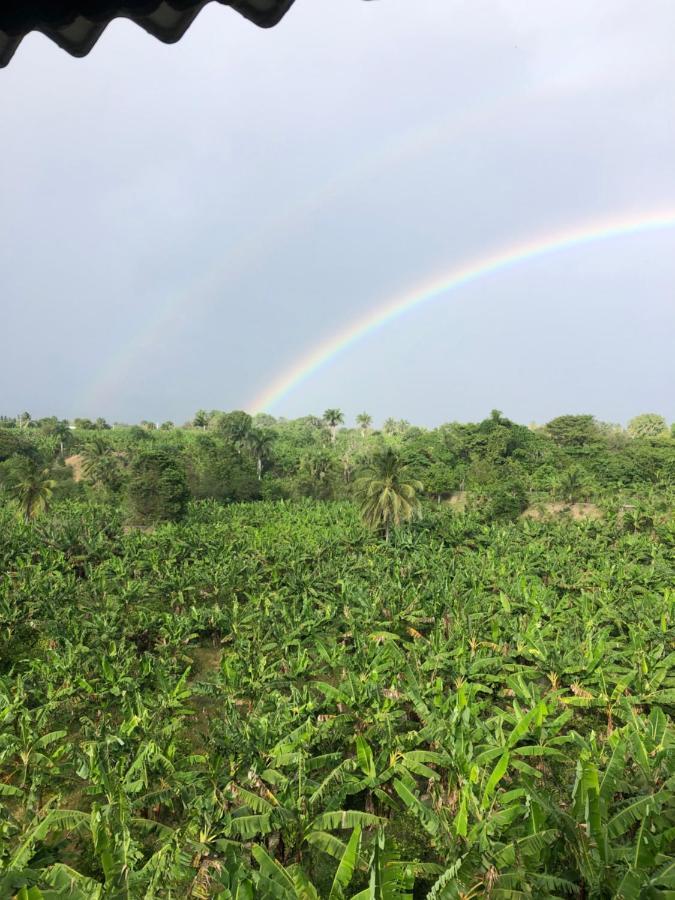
76 25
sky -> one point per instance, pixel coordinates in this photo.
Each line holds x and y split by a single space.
181 225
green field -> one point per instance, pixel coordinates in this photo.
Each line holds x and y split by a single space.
269 699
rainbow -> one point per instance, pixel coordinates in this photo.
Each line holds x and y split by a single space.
579 235
277 227
245 250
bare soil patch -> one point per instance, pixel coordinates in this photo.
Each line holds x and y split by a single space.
76 463
576 511
458 500
145 529
205 659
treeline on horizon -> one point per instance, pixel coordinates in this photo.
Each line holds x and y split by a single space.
495 468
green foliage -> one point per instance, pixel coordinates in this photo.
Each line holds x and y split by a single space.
201 419
266 700
387 493
12 442
157 490
218 471
364 422
572 485
84 424
333 418
260 442
647 425
573 431
101 465
497 466
138 435
30 483
507 500
233 426
317 474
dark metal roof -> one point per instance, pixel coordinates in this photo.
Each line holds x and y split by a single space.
76 25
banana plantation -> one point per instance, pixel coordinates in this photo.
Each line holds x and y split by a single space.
269 700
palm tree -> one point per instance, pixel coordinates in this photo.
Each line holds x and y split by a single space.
201 419
63 433
32 489
100 464
364 421
388 494
259 441
333 418
318 465
571 485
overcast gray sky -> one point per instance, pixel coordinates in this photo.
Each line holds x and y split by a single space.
181 224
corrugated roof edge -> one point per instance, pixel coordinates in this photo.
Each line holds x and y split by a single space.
77 33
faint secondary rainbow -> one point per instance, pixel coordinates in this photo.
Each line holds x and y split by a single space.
467 273
206 289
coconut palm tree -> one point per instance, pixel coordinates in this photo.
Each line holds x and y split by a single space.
100 464
333 418
364 421
32 488
387 493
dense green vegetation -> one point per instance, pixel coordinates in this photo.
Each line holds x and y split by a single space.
259 658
